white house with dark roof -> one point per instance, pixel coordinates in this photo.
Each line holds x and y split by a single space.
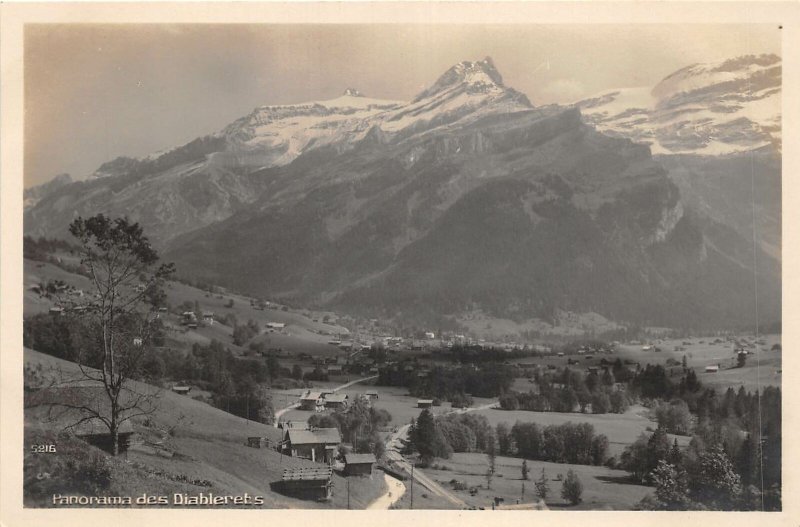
311 401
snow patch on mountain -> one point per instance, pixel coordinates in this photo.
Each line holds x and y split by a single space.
708 109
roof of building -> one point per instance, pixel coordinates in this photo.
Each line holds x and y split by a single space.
371 392
311 396
354 459
336 398
314 437
295 474
97 427
424 401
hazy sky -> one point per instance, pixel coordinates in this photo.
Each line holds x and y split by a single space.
93 93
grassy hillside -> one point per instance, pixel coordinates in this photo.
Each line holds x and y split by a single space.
204 444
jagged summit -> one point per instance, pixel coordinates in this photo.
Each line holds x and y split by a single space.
352 92
475 76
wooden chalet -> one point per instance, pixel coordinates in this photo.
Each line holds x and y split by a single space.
311 401
308 483
424 403
181 389
359 464
317 444
336 401
96 433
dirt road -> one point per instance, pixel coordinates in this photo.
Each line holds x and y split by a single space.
394 445
395 491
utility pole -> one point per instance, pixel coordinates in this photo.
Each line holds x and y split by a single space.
412 486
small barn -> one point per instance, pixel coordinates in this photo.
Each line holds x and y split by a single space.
424 403
311 401
336 401
317 445
359 464
307 483
96 433
181 389
712 368
371 394
258 442
208 318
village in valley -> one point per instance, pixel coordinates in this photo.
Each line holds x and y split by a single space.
315 409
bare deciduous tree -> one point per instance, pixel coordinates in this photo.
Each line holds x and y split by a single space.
115 325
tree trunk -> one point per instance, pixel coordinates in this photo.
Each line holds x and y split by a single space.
114 437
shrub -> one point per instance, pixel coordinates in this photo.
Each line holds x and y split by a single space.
572 488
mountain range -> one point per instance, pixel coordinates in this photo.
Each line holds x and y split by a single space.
470 197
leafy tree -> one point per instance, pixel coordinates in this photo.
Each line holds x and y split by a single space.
658 448
491 454
599 449
714 482
525 469
116 325
741 359
675 457
503 439
672 489
542 487
572 488
297 372
427 439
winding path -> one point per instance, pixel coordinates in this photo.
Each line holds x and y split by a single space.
395 492
393 446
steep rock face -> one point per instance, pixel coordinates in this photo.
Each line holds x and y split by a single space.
705 109
466 197
217 169
519 215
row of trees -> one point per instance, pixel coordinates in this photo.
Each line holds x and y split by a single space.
565 443
567 399
490 380
440 437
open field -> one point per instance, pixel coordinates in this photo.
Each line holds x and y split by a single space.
761 368
621 429
603 488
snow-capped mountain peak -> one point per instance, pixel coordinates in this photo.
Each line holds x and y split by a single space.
708 109
473 76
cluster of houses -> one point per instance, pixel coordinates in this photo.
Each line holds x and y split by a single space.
320 445
319 401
